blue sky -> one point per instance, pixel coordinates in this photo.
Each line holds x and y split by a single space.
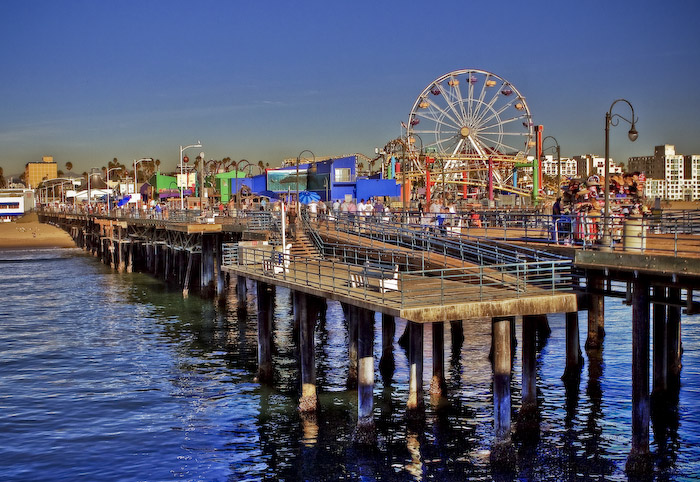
86 81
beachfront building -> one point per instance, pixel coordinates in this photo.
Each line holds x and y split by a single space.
590 164
569 167
35 172
670 176
15 202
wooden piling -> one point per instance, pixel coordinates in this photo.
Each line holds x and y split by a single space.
528 423
674 348
365 430
574 359
265 300
437 383
241 291
639 461
387 363
309 308
352 320
596 313
415 404
502 451
659 343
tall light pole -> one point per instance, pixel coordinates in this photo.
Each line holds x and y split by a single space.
237 164
136 163
558 150
108 196
613 119
412 141
297 179
183 149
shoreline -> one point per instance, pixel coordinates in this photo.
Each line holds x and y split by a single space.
28 233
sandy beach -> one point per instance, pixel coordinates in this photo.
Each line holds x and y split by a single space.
28 232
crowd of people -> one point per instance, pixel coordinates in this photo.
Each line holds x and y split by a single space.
578 215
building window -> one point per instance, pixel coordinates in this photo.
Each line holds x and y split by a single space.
343 174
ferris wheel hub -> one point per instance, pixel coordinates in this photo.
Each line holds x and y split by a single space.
464 132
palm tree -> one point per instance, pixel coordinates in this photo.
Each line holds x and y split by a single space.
261 166
69 166
2 177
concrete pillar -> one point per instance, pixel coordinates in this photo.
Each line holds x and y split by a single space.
265 300
130 263
386 362
241 291
437 383
674 348
596 313
415 404
365 431
308 314
639 461
574 360
660 343
502 452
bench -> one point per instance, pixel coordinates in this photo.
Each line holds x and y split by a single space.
387 274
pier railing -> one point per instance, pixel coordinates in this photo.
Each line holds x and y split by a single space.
415 287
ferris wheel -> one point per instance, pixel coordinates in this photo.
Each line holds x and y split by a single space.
472 113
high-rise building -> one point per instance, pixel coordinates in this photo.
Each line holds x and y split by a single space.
669 175
35 172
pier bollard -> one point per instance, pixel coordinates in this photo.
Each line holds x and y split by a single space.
365 430
415 404
639 461
502 451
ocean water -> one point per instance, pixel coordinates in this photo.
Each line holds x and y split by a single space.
111 376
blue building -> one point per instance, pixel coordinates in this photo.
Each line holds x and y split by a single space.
331 179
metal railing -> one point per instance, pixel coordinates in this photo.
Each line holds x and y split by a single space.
416 287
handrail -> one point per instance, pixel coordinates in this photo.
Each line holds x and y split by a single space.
417 286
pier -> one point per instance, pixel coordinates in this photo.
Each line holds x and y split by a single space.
422 276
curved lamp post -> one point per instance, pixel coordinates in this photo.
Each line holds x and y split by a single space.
558 151
182 183
237 165
297 178
613 119
108 196
136 163
412 141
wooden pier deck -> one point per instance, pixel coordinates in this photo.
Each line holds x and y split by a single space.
421 299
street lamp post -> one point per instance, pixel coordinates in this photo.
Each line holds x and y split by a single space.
558 151
136 163
108 196
182 195
613 119
237 164
412 141
297 178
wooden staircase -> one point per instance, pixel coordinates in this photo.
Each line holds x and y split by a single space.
302 245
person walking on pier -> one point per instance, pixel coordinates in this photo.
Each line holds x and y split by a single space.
292 220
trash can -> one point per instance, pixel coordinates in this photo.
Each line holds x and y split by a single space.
635 236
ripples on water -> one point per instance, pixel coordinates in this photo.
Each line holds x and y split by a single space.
107 376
